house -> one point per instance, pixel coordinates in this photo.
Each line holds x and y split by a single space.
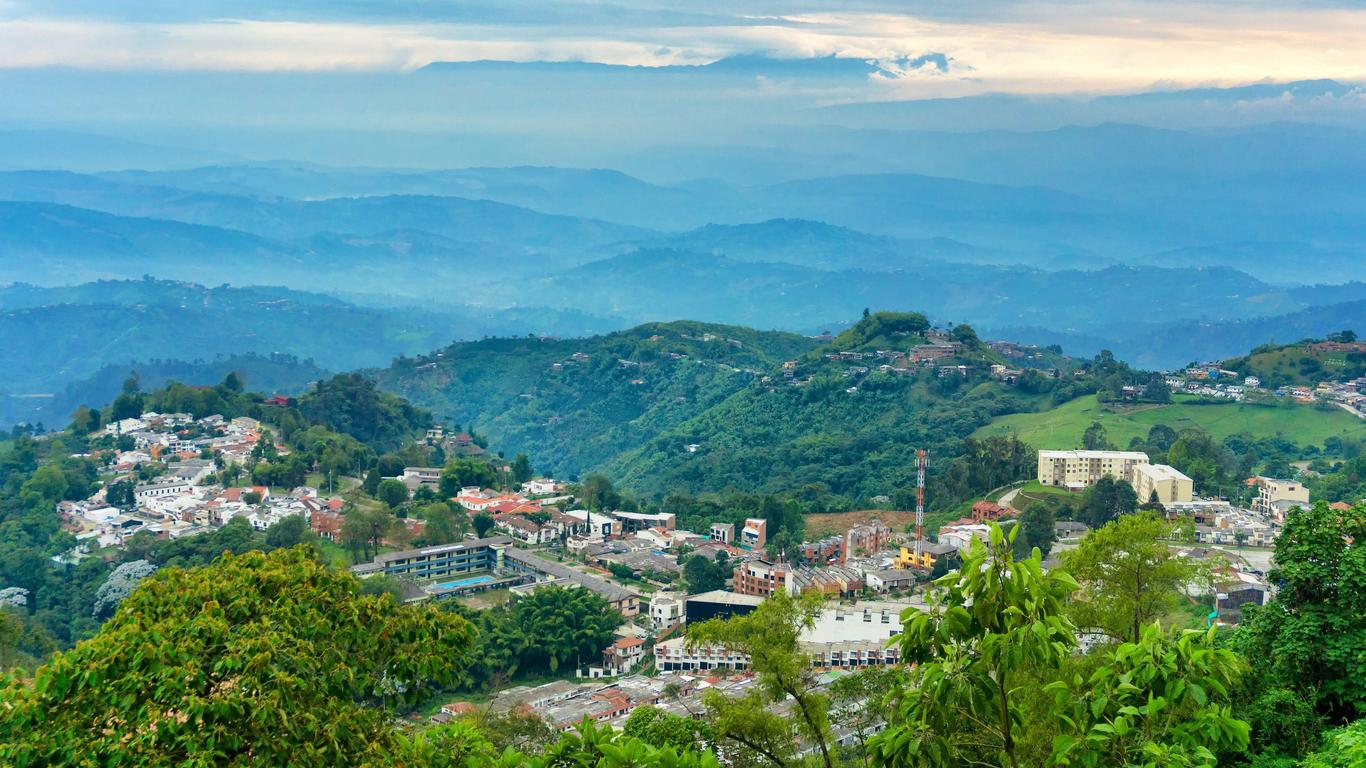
755 533
623 655
762 578
666 610
416 476
1276 497
1158 481
540 487
595 525
930 553
889 579
526 530
723 532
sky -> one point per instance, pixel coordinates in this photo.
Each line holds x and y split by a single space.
1018 46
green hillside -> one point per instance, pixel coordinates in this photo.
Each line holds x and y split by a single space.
1299 363
1062 427
632 403
576 403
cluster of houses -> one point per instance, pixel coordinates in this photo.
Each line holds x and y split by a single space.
182 498
1210 380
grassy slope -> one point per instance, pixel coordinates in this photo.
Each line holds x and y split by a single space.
1062 427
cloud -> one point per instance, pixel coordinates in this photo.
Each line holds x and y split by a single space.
1004 45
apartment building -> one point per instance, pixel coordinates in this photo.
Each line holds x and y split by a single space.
1168 485
1076 470
1276 497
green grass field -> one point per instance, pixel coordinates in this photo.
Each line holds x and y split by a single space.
1062 427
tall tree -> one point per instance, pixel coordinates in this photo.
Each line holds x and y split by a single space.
1311 638
989 625
770 637
257 660
1129 575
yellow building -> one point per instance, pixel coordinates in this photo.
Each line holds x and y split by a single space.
929 555
1169 485
1077 470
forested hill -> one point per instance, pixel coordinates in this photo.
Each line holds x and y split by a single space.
576 403
694 407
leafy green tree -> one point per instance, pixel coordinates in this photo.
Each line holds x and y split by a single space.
859 701
483 523
1342 748
521 469
658 728
770 637
1311 638
289 532
463 473
702 574
258 660
1158 702
596 493
1036 529
563 625
1096 439
1129 575
990 624
392 492
1106 500
364 529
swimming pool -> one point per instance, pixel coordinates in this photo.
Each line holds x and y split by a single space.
473 580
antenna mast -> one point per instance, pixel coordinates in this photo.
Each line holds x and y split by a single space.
921 461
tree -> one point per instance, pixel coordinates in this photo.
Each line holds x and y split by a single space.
1036 529
770 637
463 473
119 585
596 493
1129 575
364 529
392 492
1096 439
702 574
439 524
120 494
1311 638
858 700
1160 438
654 726
990 623
1106 500
521 469
483 523
1157 702
289 532
563 625
257 660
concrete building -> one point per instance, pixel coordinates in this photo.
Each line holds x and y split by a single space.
1076 470
718 604
1275 497
1161 481
842 637
666 610
477 556
755 533
723 532
762 578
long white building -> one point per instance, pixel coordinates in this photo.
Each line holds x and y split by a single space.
843 637
1076 470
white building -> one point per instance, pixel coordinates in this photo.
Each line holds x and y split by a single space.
1076 470
666 609
842 637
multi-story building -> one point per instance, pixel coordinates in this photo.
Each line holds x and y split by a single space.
723 532
762 578
1160 482
755 533
844 637
1276 497
666 610
477 556
1076 470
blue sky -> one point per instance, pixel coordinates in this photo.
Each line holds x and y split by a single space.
1002 45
